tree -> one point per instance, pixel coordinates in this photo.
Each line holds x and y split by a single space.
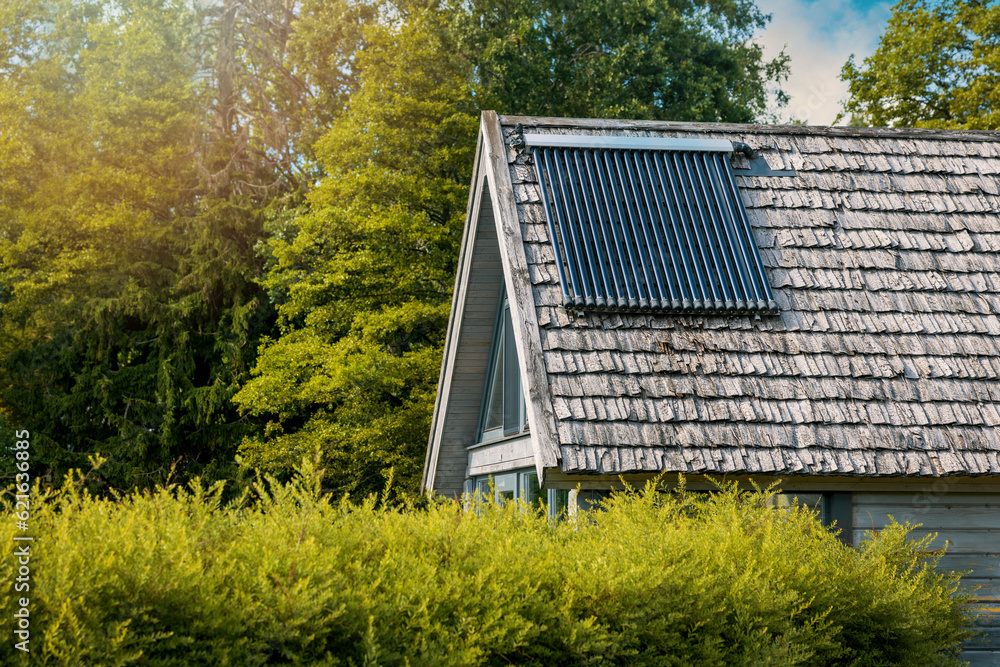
104 122
653 59
275 91
129 298
184 179
937 65
363 275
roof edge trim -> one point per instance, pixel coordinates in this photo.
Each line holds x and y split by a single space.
443 394
628 143
541 416
604 125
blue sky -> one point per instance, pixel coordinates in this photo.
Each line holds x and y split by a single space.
819 35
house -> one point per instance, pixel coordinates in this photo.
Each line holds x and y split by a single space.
814 305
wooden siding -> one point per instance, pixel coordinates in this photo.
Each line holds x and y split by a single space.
968 525
454 323
457 414
508 454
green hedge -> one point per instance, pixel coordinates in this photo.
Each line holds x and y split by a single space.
173 578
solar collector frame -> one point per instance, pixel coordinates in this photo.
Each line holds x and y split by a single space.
653 228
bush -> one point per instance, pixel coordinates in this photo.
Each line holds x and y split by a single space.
173 577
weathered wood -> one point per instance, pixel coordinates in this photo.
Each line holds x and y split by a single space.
508 451
557 479
524 435
451 337
980 565
986 639
985 589
503 466
986 616
467 343
469 379
519 294
453 468
980 658
937 493
882 360
964 541
454 322
966 524
934 517
879 374
967 527
984 648
470 402
803 130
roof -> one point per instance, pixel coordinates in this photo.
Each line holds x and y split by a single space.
883 253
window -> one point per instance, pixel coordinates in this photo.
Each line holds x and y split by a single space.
834 509
814 501
524 486
647 224
504 411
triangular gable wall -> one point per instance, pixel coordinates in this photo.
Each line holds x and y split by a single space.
483 264
463 374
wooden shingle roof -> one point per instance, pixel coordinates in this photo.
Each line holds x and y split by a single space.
883 252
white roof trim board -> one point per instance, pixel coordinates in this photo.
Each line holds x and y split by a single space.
627 143
883 253
541 420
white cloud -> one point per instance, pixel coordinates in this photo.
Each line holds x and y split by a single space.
819 37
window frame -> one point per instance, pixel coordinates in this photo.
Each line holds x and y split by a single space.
514 485
500 355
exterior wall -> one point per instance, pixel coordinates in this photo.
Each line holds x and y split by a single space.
968 527
460 412
495 457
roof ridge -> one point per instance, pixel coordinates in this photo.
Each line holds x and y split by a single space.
806 130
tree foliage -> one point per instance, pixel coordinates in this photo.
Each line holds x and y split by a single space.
651 59
129 302
175 577
937 65
364 274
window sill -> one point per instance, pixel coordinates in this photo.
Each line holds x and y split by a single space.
506 438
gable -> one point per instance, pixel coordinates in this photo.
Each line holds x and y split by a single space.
467 349
493 253
883 255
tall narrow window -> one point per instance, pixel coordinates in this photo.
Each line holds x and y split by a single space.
504 411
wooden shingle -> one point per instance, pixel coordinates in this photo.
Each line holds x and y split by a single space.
884 255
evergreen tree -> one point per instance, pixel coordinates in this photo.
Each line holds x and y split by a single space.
129 297
364 275
651 59
183 180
